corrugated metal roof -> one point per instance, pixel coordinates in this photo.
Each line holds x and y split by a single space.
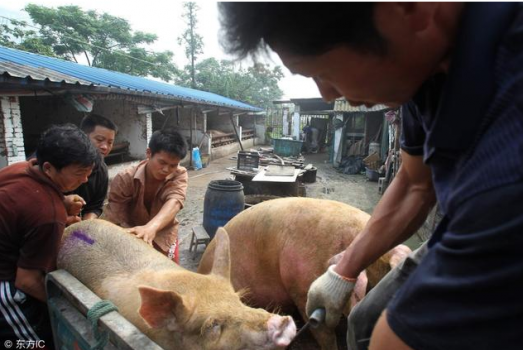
38 67
20 71
342 105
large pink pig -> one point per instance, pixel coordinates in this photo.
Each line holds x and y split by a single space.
279 247
176 308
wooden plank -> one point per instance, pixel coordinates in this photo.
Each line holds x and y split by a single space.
72 323
200 232
123 334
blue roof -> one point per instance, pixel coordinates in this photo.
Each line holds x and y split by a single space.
110 79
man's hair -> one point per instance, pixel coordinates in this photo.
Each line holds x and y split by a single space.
91 121
305 29
63 145
170 141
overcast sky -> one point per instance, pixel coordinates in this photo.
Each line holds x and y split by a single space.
163 18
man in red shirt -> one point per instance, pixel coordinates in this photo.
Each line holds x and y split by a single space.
32 221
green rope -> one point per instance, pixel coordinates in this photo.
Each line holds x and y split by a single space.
99 309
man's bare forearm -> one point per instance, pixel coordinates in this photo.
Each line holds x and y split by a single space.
31 282
165 216
401 211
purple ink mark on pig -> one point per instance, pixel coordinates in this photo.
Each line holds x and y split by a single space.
82 236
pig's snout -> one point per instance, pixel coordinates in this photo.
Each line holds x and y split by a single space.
281 330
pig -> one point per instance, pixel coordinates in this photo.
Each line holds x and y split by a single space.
279 247
176 308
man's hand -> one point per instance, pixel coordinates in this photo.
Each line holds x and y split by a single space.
89 216
331 292
73 204
72 219
143 232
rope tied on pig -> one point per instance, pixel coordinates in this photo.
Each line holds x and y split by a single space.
98 310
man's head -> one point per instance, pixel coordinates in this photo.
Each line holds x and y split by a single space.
167 148
101 132
66 155
369 53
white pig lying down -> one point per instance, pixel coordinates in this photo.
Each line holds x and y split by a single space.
176 308
279 247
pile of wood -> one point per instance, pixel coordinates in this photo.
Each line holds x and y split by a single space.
267 157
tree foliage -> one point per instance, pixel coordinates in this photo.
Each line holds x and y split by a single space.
106 41
103 40
19 36
192 41
256 85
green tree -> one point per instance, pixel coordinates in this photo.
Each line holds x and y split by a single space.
257 85
192 41
104 40
17 35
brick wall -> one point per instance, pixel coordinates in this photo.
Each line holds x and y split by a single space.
11 133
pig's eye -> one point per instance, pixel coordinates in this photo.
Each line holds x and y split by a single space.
213 329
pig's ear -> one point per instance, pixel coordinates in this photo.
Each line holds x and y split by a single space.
222 259
161 308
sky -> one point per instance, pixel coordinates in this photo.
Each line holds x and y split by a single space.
163 18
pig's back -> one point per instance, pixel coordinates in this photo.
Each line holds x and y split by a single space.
280 246
93 250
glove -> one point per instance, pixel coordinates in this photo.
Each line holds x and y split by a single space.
331 292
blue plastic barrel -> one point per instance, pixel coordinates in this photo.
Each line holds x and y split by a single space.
223 200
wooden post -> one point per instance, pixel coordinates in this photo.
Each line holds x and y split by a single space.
236 132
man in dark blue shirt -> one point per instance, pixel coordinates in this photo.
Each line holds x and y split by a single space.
462 145
101 132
